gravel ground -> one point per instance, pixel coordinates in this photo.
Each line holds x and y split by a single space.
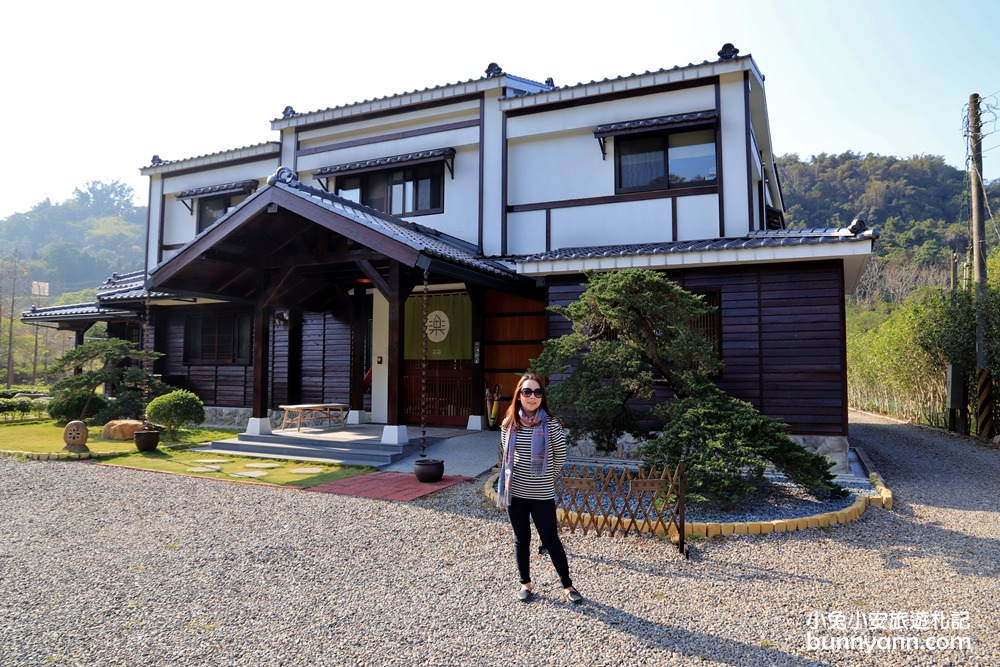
107 566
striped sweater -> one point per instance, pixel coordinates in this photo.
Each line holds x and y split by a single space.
523 483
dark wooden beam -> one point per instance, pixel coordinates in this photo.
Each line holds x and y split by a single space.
261 352
372 274
400 285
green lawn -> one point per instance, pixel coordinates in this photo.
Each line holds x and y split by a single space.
47 437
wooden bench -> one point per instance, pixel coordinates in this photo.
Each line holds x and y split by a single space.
296 414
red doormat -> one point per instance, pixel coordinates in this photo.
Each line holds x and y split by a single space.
387 485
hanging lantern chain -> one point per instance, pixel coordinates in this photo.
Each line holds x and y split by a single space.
423 371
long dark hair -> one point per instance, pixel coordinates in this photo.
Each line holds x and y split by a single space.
513 414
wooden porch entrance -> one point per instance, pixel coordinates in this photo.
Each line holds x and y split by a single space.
449 392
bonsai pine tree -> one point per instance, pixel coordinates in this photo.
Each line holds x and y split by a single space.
112 363
631 331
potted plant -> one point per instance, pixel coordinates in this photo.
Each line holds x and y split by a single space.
147 438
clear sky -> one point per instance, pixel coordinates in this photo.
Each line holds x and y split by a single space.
90 91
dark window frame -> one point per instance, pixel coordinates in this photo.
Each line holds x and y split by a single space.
226 201
624 141
710 324
378 187
224 338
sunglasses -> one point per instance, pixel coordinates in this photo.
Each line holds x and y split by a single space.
528 392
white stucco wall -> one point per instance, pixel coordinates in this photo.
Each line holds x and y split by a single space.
734 155
380 348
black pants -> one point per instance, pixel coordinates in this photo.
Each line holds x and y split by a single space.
543 512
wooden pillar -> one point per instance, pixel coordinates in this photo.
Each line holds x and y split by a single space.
397 322
261 359
400 286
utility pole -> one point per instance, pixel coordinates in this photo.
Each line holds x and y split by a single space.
984 382
10 327
38 289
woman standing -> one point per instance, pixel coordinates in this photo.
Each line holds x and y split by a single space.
533 452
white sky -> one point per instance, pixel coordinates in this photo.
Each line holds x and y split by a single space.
90 91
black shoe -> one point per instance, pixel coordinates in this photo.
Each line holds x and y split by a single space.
524 595
574 596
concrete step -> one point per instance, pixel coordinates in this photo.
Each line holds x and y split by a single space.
278 447
284 438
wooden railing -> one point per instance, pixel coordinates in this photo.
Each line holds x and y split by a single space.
622 500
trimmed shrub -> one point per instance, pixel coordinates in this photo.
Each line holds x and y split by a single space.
38 406
174 410
70 406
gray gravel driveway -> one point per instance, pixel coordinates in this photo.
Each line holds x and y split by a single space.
106 566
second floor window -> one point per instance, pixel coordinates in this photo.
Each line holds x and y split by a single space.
664 160
211 209
417 190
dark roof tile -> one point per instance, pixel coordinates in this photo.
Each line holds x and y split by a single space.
760 239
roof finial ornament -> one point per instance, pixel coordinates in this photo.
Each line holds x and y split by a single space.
284 175
728 52
289 112
156 160
550 82
493 70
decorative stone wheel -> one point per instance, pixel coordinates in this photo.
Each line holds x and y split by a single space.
75 436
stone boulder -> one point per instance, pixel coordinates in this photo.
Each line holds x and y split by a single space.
121 429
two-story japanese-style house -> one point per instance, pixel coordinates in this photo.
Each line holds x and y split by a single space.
295 271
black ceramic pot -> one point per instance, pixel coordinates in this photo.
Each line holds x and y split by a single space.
146 441
428 470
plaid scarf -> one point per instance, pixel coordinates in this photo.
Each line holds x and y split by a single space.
539 424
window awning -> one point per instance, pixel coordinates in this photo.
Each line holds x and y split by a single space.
447 155
238 187
601 132
648 124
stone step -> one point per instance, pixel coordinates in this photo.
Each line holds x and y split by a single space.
279 447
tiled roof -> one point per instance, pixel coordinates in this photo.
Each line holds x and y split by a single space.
653 123
247 187
76 311
291 113
759 239
127 287
119 288
263 148
408 158
423 239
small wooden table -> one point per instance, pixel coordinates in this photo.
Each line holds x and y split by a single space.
296 414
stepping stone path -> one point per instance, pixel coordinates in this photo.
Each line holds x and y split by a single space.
252 473
263 465
211 461
306 471
204 469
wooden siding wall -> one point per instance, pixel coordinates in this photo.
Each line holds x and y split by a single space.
224 385
783 337
326 358
325 362
280 392
515 331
